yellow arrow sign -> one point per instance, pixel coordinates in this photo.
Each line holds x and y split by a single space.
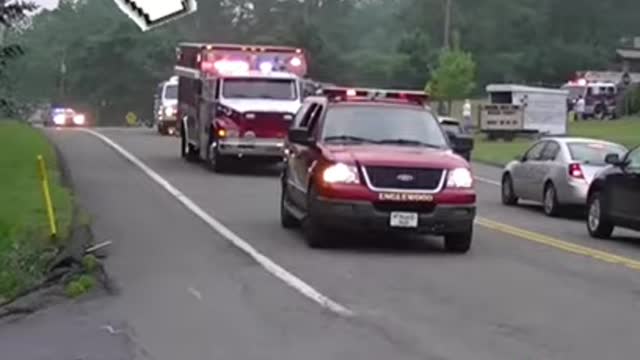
131 118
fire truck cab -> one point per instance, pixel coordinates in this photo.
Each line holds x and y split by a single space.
237 101
599 96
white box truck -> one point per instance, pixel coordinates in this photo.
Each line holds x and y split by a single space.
517 109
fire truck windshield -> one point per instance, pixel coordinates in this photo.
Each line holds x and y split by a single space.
171 92
242 88
575 91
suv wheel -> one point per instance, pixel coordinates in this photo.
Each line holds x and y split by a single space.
458 243
287 220
508 195
550 201
597 223
315 235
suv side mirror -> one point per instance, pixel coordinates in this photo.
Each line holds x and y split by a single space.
299 136
613 159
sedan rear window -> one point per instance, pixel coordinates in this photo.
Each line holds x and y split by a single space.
594 153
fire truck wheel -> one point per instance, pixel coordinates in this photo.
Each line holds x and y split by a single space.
183 146
216 162
186 150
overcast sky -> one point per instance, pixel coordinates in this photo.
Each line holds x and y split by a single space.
47 3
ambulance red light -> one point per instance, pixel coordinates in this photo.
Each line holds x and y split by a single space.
296 62
352 92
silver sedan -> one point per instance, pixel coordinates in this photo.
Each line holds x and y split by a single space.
556 171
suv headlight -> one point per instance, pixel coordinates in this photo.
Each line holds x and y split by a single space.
460 178
341 173
169 111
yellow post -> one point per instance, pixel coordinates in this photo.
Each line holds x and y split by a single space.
44 180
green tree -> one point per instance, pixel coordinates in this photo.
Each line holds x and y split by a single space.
454 76
11 15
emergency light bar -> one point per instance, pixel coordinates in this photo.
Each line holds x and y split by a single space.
228 59
342 94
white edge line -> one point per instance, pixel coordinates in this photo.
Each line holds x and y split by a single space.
487 181
271 267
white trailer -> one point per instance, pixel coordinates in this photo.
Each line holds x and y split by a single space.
514 109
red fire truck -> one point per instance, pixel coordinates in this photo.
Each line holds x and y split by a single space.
237 101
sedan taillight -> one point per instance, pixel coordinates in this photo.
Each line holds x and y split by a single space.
575 171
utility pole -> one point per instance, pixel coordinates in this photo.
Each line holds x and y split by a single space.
447 24
63 73
2 31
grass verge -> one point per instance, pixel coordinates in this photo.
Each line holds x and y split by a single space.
25 245
623 131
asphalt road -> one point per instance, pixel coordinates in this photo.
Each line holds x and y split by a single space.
188 294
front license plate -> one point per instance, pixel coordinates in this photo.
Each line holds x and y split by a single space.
404 219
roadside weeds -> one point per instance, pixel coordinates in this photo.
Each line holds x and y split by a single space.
36 270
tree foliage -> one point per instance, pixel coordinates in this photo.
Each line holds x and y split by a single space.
11 14
112 67
454 76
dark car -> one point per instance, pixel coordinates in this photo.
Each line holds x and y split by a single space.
65 117
453 127
614 196
359 162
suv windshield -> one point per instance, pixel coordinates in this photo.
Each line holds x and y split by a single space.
279 89
594 153
383 124
171 92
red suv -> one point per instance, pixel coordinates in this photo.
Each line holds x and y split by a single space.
375 160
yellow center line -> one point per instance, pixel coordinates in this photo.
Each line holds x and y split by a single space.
559 244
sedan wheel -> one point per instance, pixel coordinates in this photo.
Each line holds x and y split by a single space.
550 202
508 195
597 224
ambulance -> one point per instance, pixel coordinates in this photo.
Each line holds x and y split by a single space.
236 102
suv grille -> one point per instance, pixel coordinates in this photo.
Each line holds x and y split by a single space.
404 178
419 207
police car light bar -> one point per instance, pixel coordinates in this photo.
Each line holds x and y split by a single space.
341 94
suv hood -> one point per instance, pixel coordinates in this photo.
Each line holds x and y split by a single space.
262 105
392 155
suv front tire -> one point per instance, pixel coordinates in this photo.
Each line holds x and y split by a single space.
458 243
